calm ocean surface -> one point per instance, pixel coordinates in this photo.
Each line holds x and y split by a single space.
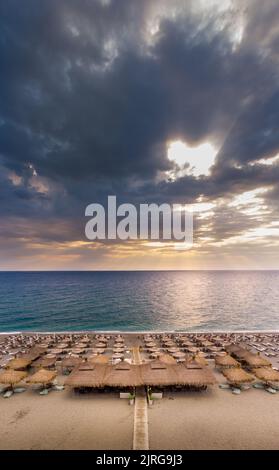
133 301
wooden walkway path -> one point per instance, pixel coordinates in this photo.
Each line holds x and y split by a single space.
140 438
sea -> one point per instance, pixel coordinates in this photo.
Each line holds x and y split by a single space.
134 301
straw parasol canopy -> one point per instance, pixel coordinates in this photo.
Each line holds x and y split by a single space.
233 348
206 344
55 351
12 377
98 359
150 344
98 350
101 345
179 355
266 374
118 355
155 355
237 375
78 350
193 349
226 361
200 360
43 376
255 360
71 362
19 363
187 344
44 362
167 359
173 350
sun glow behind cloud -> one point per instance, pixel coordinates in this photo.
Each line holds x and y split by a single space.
195 161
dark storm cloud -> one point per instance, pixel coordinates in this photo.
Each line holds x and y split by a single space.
89 98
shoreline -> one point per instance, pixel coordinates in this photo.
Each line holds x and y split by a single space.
139 332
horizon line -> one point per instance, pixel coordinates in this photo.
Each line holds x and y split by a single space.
134 270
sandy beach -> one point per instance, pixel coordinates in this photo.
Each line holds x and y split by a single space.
215 419
63 420
212 419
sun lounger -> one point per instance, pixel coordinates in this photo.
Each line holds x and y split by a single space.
271 390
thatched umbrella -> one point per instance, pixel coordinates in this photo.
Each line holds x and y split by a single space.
78 350
155 355
200 360
43 377
12 377
187 344
233 348
98 359
19 363
119 341
55 351
206 344
172 350
266 374
62 345
101 345
237 376
167 359
98 350
226 361
71 362
44 362
193 349
255 360
150 344
87 340
178 355
117 356
80 346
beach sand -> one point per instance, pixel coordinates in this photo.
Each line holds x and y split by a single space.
62 420
215 419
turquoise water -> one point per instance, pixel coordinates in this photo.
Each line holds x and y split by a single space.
133 301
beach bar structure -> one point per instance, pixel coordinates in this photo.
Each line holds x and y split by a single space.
159 374
127 376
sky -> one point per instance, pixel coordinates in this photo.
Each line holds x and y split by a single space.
154 101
